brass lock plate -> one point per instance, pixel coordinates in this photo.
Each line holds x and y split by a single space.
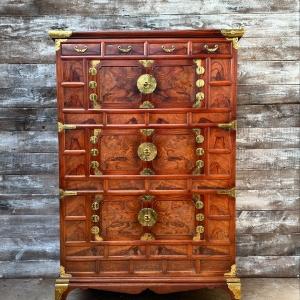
147 151
146 84
147 217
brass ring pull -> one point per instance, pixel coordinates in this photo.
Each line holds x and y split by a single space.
211 50
168 50
80 50
125 50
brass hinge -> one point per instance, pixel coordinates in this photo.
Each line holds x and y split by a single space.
61 126
63 193
230 192
228 126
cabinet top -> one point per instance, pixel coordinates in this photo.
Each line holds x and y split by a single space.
203 33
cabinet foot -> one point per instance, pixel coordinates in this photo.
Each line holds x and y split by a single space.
233 283
62 285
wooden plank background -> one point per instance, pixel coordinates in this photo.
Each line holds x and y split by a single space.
268 118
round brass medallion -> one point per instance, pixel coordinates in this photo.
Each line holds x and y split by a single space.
147 216
147 151
146 84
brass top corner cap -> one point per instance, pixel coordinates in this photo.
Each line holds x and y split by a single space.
233 32
59 33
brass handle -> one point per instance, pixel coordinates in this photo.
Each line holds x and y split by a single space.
125 50
80 50
147 217
211 50
168 50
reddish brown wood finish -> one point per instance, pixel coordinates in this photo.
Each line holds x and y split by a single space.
173 261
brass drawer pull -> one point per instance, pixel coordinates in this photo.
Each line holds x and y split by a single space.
168 50
125 50
80 50
211 50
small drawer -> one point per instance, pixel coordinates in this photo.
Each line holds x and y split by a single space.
124 49
212 48
81 49
168 49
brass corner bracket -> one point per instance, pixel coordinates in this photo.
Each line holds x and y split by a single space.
233 282
60 36
62 283
230 192
233 35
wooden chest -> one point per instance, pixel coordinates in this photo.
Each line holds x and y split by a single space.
147 160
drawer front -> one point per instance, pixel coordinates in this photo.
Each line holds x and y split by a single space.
81 49
124 49
168 49
211 48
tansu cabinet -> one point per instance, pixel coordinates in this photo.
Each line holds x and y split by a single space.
146 129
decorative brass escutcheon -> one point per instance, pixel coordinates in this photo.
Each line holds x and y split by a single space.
147 217
95 218
95 205
146 84
92 84
200 229
199 151
147 131
200 83
147 198
147 151
94 152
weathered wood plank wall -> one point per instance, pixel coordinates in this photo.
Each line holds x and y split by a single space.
268 115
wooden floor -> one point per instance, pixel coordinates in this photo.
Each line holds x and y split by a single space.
253 289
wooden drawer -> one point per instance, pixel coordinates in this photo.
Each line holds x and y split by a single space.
124 49
211 48
81 49
168 49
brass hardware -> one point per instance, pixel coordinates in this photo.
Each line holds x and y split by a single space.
147 198
230 192
199 136
95 205
200 217
94 97
200 229
146 84
198 62
200 83
146 105
199 151
147 151
94 152
92 84
199 96
200 70
198 167
95 218
233 282
61 126
147 171
125 50
233 35
95 230
62 283
228 126
58 42
146 62
168 50
59 33
95 166
147 131
147 217
60 36
80 50
93 71
197 200
211 50
63 193
94 138
147 237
